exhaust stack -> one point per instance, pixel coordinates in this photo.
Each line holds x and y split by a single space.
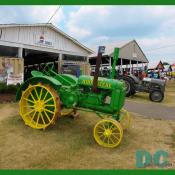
101 50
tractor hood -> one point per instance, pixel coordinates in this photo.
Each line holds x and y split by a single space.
155 81
158 81
103 83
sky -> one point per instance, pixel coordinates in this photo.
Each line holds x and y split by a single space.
153 27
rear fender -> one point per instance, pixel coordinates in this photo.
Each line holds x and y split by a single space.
35 80
134 78
70 78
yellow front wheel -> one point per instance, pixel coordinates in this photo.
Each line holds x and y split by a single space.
108 133
39 106
125 119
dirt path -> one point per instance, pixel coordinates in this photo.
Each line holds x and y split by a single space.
8 110
153 110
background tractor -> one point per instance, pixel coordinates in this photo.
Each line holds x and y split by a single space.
155 87
49 95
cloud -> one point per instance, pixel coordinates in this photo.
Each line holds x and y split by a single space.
30 14
158 48
120 22
154 43
113 21
80 22
151 26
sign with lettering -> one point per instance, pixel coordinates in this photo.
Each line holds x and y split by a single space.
44 42
101 84
15 79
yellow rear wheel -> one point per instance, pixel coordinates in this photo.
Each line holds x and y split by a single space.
125 119
108 133
39 106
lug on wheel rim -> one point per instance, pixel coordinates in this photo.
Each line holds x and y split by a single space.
39 106
108 133
125 119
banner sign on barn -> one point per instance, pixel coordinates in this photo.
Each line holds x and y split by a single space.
14 79
11 70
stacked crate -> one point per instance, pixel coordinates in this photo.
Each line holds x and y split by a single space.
11 70
84 66
17 64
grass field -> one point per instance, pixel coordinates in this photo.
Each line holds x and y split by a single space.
169 99
70 144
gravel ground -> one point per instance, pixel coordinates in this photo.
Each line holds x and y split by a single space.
153 110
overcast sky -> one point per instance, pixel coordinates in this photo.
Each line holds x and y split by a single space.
153 27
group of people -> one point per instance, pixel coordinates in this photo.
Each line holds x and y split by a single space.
156 74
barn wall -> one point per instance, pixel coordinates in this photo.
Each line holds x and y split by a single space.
31 36
128 50
140 53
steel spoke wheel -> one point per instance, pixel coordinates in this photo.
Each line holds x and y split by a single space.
39 106
108 133
125 119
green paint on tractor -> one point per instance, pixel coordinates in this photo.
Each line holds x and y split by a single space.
78 91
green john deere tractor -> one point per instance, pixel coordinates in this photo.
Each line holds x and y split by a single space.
48 95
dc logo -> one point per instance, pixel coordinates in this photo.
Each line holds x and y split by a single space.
145 159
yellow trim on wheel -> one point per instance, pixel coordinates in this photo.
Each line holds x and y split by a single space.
39 106
108 133
125 119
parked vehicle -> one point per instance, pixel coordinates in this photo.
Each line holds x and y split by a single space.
154 86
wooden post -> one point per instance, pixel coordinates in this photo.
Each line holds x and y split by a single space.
130 67
60 62
87 59
110 61
20 50
121 63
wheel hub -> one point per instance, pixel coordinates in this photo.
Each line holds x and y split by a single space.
107 133
39 106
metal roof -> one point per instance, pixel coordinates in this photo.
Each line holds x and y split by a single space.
109 47
50 25
109 50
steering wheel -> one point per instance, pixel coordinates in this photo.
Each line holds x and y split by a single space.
48 67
